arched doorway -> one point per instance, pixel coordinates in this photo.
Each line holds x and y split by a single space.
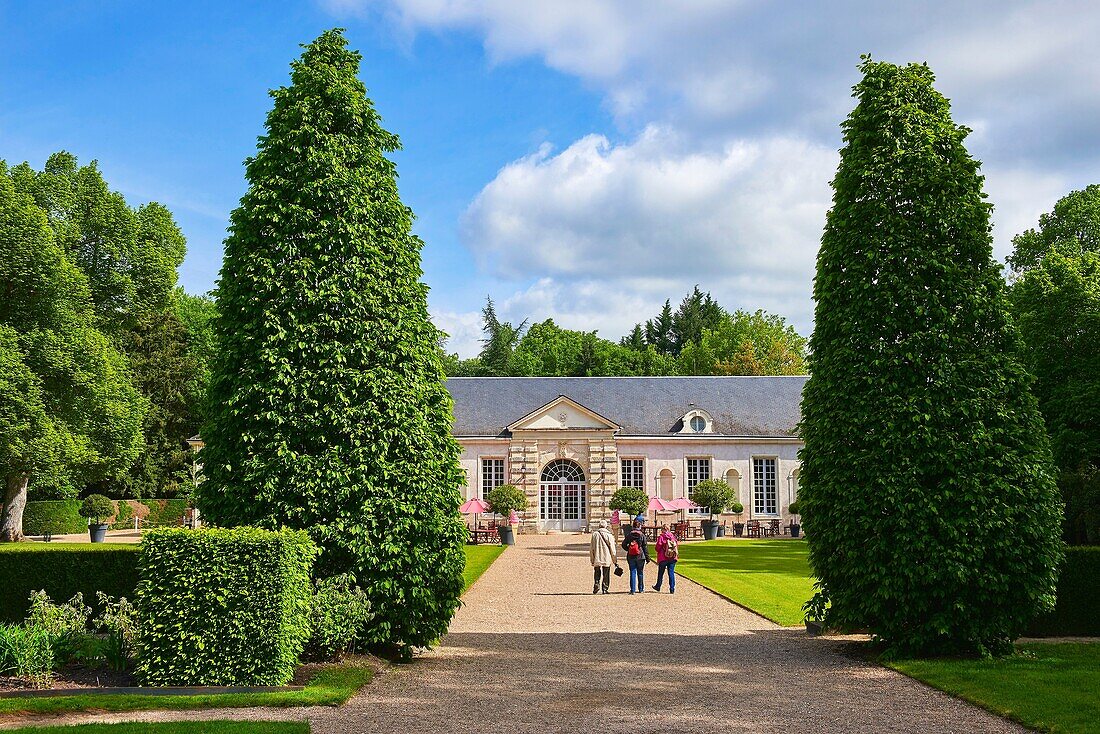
563 503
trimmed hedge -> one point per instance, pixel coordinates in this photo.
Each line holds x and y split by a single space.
61 517
1078 609
58 517
63 569
223 607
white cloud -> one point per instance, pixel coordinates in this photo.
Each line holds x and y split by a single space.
463 330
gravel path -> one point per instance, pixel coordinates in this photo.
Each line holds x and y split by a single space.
533 651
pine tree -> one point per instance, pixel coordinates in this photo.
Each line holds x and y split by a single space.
327 409
927 491
658 331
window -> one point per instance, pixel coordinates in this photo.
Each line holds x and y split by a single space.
633 473
765 497
698 424
492 475
698 470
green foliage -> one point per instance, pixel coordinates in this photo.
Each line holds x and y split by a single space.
118 619
737 508
340 612
926 485
327 408
631 500
714 494
63 571
97 507
1081 495
794 508
80 416
745 343
506 498
1077 611
26 652
223 607
56 517
1072 228
66 624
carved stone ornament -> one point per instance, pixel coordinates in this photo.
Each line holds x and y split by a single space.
563 417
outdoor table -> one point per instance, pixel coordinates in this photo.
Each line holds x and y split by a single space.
480 535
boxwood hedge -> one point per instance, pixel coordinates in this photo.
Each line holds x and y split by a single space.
1077 611
60 517
63 570
223 606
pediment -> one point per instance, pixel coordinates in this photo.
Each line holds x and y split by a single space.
563 414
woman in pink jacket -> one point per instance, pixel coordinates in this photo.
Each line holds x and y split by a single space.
668 551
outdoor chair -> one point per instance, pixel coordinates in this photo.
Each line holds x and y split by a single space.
774 529
753 529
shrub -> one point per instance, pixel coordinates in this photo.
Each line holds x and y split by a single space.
1077 611
164 513
340 613
97 507
124 515
118 618
792 508
714 494
222 607
66 624
62 571
737 508
505 499
56 517
26 652
630 500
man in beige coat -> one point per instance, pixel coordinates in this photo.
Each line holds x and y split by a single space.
603 555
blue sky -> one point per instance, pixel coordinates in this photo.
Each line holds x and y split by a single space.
579 160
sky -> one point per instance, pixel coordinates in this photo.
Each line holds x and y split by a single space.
581 160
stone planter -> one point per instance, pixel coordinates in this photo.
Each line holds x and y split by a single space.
98 532
507 537
738 529
796 529
721 531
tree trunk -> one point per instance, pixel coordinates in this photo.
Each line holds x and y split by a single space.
15 499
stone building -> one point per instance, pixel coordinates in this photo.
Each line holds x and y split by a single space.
570 442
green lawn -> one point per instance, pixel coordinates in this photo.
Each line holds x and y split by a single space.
770 577
331 686
177 727
479 558
1049 687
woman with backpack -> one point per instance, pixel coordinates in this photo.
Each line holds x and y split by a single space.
637 555
668 552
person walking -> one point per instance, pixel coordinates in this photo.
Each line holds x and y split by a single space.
637 555
602 555
668 552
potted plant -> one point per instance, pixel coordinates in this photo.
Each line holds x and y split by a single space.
796 527
97 508
715 495
504 500
631 500
738 527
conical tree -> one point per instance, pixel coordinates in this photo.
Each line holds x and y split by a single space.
328 410
926 485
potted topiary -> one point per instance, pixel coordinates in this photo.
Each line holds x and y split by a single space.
504 500
716 495
796 527
738 527
97 508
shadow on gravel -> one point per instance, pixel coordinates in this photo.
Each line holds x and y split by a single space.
764 680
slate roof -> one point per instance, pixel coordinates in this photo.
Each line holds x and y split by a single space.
643 406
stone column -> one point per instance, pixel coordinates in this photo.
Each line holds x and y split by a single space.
603 480
523 463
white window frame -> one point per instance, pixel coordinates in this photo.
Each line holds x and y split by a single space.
756 511
486 483
688 486
638 472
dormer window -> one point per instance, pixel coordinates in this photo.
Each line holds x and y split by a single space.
697 421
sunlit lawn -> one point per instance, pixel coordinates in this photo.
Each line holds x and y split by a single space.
1049 687
770 577
479 558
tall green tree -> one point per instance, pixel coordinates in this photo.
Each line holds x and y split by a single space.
926 489
501 339
67 405
658 331
697 313
1072 228
745 343
327 406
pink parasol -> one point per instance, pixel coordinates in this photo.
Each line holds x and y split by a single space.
683 503
475 507
656 504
